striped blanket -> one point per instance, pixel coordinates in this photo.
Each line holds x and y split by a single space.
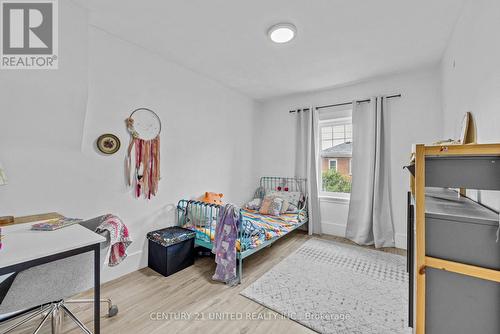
120 238
256 228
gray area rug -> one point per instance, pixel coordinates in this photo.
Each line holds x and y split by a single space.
333 287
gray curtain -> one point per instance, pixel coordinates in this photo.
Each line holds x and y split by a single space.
306 164
370 214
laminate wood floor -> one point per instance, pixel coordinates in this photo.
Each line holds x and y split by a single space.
189 301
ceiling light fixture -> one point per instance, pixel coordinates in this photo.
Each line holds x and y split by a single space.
282 33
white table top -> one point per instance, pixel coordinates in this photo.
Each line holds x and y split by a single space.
21 244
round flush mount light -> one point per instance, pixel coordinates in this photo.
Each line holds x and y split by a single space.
282 33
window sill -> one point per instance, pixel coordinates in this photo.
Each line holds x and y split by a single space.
334 199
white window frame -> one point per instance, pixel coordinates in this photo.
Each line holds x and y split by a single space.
327 194
333 122
336 164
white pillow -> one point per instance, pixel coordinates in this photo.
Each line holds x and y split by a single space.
254 204
292 197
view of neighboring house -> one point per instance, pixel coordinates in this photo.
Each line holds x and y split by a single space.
338 158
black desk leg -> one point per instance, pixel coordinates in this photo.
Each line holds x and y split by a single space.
97 289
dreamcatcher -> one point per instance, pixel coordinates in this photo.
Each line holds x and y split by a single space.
143 153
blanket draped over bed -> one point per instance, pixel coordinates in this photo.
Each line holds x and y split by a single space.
224 246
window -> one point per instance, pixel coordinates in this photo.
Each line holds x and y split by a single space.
332 135
332 164
335 155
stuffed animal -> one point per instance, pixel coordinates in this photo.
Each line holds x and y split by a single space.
212 198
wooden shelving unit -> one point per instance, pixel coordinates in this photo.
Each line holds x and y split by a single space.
432 157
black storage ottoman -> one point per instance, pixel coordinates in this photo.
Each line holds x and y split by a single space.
170 250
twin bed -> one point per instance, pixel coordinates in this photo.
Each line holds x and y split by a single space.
255 231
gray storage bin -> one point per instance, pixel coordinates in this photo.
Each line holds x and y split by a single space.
459 304
461 230
480 172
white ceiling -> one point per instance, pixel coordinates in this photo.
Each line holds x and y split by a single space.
338 41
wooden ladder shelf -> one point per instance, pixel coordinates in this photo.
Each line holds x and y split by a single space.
421 152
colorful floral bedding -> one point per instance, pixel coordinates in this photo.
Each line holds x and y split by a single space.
256 228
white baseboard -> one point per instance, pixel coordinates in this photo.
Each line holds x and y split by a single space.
136 261
333 229
132 263
400 240
339 231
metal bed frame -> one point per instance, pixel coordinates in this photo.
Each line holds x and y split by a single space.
205 214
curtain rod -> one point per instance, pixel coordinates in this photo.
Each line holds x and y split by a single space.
342 104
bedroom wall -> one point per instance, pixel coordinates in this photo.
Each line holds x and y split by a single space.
471 78
414 118
51 119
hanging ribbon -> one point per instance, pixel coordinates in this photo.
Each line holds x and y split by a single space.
144 175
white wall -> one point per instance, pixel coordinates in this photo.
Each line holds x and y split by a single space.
49 121
471 77
414 118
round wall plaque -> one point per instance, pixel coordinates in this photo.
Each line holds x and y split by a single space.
108 143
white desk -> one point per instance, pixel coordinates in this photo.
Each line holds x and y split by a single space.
23 248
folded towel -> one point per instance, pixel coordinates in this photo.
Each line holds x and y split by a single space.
119 238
